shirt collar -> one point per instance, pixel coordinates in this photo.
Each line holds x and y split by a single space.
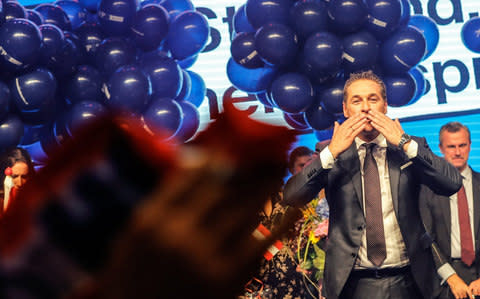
379 140
467 173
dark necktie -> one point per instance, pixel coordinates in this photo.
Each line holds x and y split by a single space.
468 254
376 249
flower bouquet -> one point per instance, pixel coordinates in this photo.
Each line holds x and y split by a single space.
312 236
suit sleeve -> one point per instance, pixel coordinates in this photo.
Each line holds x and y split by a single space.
442 266
304 186
434 172
425 210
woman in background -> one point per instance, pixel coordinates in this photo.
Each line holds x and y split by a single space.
17 168
279 275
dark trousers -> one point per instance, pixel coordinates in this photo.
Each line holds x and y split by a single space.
365 284
468 274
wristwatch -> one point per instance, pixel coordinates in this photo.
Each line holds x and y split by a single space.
404 139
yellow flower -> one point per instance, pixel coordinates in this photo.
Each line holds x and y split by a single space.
312 238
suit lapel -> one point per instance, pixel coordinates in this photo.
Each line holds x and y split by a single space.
350 162
444 203
476 202
394 162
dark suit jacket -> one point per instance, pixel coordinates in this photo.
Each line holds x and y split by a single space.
343 189
436 214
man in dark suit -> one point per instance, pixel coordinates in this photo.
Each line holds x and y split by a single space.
454 221
377 245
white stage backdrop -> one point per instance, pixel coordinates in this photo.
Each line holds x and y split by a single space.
452 71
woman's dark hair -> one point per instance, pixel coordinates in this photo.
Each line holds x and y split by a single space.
295 154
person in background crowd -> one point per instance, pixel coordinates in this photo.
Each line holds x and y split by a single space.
372 172
453 221
278 276
298 158
17 168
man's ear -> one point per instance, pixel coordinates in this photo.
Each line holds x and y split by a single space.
345 113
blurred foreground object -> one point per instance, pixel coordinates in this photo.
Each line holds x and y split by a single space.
119 215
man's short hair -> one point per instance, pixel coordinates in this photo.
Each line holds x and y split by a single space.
366 75
296 153
453 127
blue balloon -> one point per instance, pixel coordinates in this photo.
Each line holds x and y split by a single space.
52 42
127 90
264 98
420 83
186 87
405 17
2 12
322 54
90 35
85 85
323 135
308 17
21 41
276 44
11 132
116 16
82 114
292 92
65 63
74 10
262 12
90 5
403 50
35 17
33 95
347 16
80 49
112 53
250 80
384 17
318 118
164 73
187 62
360 52
198 90
188 34
469 33
296 121
240 21
400 89
32 133
190 122
14 10
331 98
429 29
176 7
244 51
5 100
36 151
148 2
150 27
163 117
55 15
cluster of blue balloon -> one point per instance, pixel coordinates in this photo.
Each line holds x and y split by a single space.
296 55
65 63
